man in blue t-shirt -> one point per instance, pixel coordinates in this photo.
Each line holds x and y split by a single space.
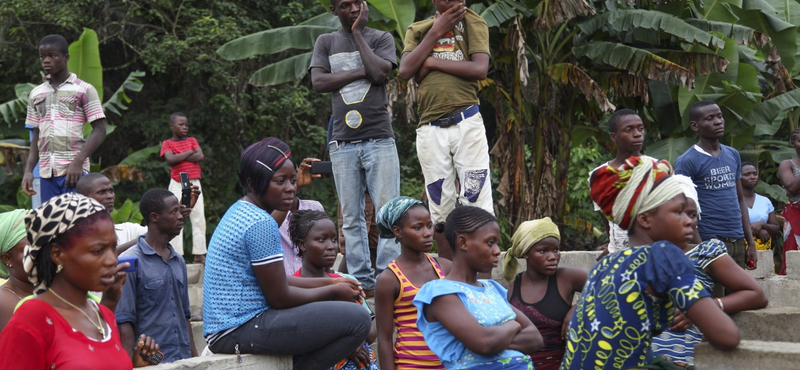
714 169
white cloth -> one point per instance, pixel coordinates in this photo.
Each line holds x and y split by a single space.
128 231
459 151
197 218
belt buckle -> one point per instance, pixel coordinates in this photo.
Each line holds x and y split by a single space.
445 122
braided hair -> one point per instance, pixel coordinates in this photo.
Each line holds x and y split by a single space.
794 135
260 161
301 223
465 220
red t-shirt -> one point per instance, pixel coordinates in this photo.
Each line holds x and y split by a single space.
178 147
38 337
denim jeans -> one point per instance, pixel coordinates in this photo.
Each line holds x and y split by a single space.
371 165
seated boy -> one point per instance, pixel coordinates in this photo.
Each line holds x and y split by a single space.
155 299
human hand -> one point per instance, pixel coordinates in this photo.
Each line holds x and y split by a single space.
565 324
304 176
361 19
74 173
195 194
445 22
347 290
763 234
113 294
27 183
361 355
756 227
751 255
185 211
681 322
147 346
605 252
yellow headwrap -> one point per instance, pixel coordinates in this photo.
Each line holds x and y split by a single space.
528 233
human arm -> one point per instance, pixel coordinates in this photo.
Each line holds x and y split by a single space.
786 174
576 277
473 69
445 264
191 337
113 294
280 294
7 303
387 290
127 337
746 292
771 227
96 137
528 340
412 61
147 346
375 67
33 158
716 326
197 156
173 159
451 313
750 253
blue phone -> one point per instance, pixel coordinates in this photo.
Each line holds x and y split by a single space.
133 260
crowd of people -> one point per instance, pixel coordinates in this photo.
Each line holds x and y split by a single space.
270 286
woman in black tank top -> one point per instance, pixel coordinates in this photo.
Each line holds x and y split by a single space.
544 292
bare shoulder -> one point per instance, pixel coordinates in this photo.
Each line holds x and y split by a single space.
574 276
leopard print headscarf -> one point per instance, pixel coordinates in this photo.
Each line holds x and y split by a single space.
49 221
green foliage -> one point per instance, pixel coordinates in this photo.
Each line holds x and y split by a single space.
14 110
127 212
84 60
401 11
120 100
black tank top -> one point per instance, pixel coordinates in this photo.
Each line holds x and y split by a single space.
547 314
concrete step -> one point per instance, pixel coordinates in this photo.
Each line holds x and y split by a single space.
750 355
778 324
782 291
226 362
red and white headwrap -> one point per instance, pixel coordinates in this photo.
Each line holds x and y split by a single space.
639 185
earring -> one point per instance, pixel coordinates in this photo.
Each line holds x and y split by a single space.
59 268
9 266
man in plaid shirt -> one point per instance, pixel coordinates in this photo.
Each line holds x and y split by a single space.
58 110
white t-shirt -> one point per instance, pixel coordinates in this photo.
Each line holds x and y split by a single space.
128 231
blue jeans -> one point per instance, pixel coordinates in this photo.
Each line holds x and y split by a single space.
371 165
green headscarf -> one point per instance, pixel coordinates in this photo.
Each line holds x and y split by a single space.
12 230
391 212
528 233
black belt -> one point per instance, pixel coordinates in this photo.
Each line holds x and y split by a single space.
454 118
726 239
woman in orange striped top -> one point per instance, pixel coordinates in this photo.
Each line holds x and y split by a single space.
409 222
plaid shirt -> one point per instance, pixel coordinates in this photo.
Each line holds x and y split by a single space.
60 115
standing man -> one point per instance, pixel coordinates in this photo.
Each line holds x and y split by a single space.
352 63
58 109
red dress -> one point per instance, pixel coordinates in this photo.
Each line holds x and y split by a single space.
38 337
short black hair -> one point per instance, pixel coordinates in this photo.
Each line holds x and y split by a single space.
56 40
465 220
153 202
176 115
793 135
694 111
84 184
613 121
749 164
301 223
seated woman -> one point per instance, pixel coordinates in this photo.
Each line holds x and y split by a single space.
250 305
314 235
12 246
544 291
763 221
72 252
465 321
712 265
631 296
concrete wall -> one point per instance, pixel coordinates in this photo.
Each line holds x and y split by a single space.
225 362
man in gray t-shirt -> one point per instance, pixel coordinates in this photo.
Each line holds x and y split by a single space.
352 63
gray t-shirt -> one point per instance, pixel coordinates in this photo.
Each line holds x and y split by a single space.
360 108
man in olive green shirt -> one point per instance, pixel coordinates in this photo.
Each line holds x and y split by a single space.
447 56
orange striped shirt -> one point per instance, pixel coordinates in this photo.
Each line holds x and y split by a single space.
410 349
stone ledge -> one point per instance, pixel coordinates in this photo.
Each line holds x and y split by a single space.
793 264
781 291
750 355
225 362
780 324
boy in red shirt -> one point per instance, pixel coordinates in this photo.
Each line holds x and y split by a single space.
183 154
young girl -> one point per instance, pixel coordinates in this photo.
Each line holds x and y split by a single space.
407 220
632 294
467 322
712 265
763 222
549 287
788 171
314 235
71 252
250 305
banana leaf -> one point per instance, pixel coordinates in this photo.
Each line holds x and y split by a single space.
120 100
84 60
301 37
636 20
287 70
